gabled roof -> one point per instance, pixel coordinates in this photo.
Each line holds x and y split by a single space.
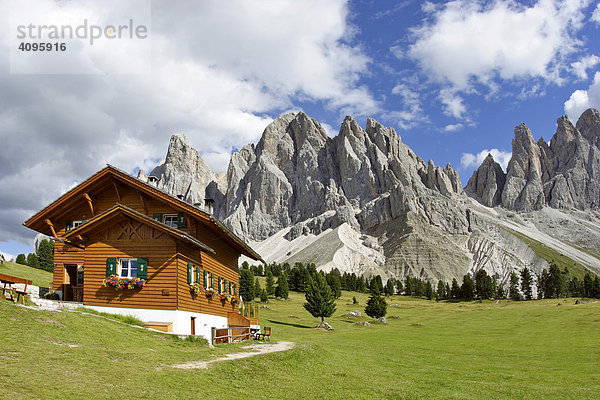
36 222
122 210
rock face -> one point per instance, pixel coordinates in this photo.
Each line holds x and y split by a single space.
563 175
363 202
487 182
185 174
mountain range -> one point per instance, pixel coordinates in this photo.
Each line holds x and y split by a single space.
364 202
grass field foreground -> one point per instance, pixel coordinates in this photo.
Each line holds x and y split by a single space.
428 350
39 277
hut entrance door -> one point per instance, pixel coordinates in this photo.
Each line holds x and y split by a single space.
193 326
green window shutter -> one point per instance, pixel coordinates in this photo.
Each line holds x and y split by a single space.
198 275
234 289
205 279
111 266
142 269
157 217
220 282
190 268
181 221
69 225
212 281
226 284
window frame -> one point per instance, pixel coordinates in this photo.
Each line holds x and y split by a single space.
77 223
173 224
120 267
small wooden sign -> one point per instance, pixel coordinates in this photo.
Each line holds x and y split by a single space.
166 292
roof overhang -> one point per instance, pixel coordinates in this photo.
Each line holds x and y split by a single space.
117 212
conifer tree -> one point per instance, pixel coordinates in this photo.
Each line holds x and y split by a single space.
33 261
263 296
45 254
270 283
257 288
376 306
282 289
526 283
441 290
468 288
389 287
21 259
455 290
513 288
246 284
320 300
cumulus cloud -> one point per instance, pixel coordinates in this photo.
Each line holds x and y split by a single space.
469 160
596 14
580 67
467 43
581 100
219 74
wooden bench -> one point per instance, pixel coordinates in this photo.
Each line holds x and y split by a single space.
10 280
265 334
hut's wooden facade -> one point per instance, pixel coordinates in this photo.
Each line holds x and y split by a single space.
113 224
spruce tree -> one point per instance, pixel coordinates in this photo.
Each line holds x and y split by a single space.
21 259
263 296
429 290
282 289
33 261
270 283
389 287
455 290
333 280
441 290
376 306
257 288
399 288
588 285
526 283
45 254
320 300
513 288
467 289
246 284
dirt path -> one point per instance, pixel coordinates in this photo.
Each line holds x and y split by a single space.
260 349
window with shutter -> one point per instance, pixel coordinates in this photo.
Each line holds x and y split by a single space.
181 221
142 268
205 279
68 226
190 273
111 266
157 217
198 275
212 281
235 289
220 285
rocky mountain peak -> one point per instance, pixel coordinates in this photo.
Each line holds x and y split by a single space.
487 182
588 125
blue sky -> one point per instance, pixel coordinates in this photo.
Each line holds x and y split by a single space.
453 78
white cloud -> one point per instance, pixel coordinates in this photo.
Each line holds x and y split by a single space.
580 67
412 112
453 127
453 103
219 74
596 14
581 100
469 160
470 41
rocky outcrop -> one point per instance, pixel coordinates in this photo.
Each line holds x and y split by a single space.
487 182
564 174
185 174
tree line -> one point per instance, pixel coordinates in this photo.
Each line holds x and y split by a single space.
42 259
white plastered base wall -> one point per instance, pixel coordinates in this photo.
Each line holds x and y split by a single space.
181 319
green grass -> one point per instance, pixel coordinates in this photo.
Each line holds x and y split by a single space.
38 276
552 256
504 350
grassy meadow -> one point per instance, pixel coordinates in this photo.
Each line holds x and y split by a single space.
427 350
39 277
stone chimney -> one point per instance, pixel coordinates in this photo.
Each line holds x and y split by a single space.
209 205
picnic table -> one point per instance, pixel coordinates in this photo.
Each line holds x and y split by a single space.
8 281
